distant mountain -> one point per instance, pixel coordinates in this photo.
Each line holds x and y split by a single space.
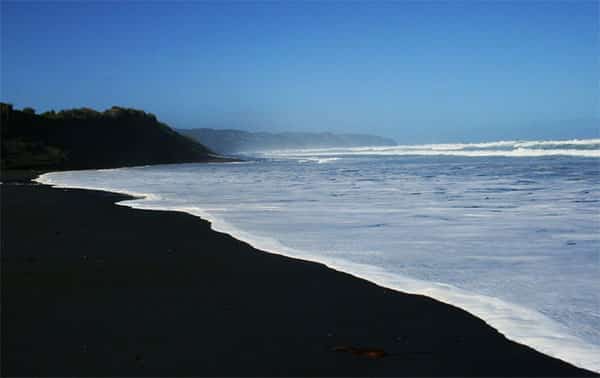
236 141
85 138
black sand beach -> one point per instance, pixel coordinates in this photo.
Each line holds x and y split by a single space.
94 289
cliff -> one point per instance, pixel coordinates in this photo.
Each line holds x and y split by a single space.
84 139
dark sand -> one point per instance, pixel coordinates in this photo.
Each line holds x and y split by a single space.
94 289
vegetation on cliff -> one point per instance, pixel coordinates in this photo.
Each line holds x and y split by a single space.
85 138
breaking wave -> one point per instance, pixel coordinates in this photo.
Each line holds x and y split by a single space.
574 147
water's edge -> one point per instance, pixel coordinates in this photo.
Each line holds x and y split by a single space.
553 339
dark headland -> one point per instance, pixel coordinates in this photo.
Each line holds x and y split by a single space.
84 138
90 288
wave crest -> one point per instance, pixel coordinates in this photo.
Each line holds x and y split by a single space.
589 148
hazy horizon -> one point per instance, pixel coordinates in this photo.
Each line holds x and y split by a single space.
416 72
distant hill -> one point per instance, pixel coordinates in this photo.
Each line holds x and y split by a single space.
85 138
235 141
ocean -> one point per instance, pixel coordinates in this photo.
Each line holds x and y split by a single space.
509 231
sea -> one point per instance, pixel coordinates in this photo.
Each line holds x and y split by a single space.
508 230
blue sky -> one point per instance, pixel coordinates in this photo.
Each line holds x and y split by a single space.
415 71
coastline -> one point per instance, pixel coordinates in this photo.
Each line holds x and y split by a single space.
517 323
141 280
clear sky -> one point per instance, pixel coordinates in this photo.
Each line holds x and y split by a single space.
415 71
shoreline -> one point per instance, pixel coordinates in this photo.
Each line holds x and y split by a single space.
453 342
550 339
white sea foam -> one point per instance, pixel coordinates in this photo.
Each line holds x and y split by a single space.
318 160
54 179
519 152
513 241
575 147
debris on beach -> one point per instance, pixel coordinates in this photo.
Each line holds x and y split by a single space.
364 352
